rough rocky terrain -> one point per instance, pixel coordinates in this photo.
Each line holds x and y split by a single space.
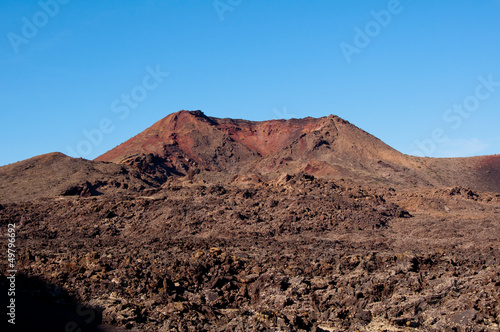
148 243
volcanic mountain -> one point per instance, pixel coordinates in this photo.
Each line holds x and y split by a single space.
189 142
190 145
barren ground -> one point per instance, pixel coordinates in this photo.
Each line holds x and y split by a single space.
297 253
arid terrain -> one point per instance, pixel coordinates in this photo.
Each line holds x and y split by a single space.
207 224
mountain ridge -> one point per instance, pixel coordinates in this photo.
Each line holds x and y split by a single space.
190 141
191 146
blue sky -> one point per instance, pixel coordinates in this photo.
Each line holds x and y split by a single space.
81 78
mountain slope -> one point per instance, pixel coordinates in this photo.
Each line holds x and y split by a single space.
327 146
189 142
56 174
226 150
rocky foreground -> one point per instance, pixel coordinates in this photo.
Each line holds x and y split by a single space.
294 254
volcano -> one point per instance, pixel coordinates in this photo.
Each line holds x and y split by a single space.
227 149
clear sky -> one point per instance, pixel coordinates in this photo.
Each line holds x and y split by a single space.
81 77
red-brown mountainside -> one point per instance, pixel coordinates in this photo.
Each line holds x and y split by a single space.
189 142
184 141
482 172
191 133
327 146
